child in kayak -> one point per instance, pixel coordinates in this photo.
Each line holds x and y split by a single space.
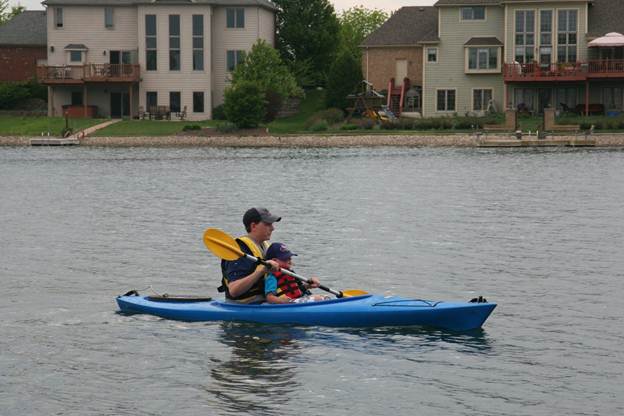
281 288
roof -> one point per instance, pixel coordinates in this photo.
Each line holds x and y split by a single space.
28 28
484 42
467 3
408 26
605 16
267 4
76 47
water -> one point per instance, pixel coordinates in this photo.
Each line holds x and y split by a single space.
538 231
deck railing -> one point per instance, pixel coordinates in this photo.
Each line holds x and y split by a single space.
577 71
88 73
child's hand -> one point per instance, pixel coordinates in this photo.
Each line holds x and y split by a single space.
314 282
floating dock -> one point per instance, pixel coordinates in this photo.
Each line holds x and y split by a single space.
535 142
54 141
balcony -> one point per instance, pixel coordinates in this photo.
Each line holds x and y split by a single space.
579 71
80 74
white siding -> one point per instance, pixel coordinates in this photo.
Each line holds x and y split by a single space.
259 24
186 80
448 72
83 24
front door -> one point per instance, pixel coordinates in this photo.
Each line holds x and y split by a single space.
401 71
119 104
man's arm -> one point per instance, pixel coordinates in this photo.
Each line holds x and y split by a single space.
239 286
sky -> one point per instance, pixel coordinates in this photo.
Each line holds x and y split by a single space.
339 5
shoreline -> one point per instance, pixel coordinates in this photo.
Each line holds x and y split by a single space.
313 141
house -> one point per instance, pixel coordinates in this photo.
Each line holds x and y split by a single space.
493 55
153 58
22 46
394 52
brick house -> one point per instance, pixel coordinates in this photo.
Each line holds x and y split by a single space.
22 46
395 52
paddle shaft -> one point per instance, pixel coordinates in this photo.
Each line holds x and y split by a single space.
292 274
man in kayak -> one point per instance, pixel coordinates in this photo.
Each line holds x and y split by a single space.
281 288
243 279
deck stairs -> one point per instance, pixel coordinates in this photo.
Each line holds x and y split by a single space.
396 95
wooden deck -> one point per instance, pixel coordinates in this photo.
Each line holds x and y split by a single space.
581 141
54 141
94 73
563 72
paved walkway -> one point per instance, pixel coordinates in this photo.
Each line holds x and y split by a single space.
84 133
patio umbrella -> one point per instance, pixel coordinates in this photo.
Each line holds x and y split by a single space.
610 40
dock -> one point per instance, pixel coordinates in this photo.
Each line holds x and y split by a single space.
535 142
54 141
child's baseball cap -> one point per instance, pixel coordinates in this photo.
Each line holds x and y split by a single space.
278 251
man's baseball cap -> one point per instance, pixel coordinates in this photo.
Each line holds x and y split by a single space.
259 215
278 251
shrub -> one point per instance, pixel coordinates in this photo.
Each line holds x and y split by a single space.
366 123
274 104
190 127
12 93
349 127
331 115
244 104
226 127
218 113
319 126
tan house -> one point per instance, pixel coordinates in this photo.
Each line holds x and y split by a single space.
394 53
152 58
492 55
22 46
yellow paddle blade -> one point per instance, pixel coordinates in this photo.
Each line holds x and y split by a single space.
353 292
222 244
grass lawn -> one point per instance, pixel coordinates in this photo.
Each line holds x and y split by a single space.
313 102
35 126
129 128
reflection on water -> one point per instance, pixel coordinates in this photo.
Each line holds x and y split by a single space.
262 364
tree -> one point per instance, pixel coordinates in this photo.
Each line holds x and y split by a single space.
307 35
264 67
244 104
5 15
345 76
356 24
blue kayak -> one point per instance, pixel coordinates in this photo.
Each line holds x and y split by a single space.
357 311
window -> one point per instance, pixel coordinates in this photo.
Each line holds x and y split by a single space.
432 55
446 100
58 17
525 36
481 99
545 51
151 100
482 59
76 98
174 101
566 36
473 13
198 102
75 56
235 18
234 58
108 17
151 55
198 42
174 42
567 96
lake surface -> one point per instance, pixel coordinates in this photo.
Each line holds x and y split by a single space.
540 232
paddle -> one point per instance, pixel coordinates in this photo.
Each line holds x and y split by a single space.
224 246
